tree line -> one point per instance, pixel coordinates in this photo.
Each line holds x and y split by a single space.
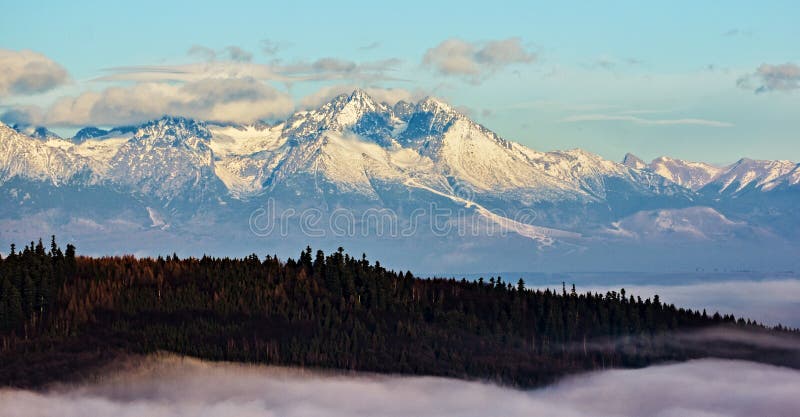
62 315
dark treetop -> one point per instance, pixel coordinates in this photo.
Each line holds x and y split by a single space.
62 317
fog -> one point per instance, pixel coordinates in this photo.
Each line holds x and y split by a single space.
769 301
168 386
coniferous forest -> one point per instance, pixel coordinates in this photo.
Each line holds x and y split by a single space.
64 316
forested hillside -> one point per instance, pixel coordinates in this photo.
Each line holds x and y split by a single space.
63 316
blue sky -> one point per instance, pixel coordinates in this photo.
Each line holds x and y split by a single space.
678 78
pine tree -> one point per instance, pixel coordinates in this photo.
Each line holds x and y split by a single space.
11 306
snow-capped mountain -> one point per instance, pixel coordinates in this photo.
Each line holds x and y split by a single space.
193 178
633 161
88 132
759 175
692 175
745 173
348 144
168 158
34 159
353 141
691 223
38 132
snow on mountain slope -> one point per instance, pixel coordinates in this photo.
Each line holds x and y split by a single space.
100 152
793 177
36 132
167 158
245 156
244 140
197 181
339 143
348 143
88 132
588 172
693 223
472 154
163 159
692 175
762 175
30 158
633 161
357 149
731 179
475 156
545 236
357 112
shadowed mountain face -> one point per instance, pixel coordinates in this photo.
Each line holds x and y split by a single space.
397 180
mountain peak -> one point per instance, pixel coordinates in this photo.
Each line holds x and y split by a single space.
359 99
174 128
360 94
632 161
88 132
434 105
38 132
342 112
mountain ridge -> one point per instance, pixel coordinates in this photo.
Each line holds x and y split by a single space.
206 179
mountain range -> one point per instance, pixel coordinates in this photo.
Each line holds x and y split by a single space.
419 183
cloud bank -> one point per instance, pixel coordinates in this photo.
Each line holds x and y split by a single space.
28 72
183 387
231 90
221 99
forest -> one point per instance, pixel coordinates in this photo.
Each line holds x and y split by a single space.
64 316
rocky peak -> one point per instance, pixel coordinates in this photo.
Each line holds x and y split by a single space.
632 161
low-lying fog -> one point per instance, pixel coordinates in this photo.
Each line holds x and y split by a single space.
168 386
768 301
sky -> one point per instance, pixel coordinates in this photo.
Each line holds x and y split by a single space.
711 81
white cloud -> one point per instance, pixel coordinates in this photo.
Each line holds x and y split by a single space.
195 72
28 72
452 57
233 90
768 78
643 121
175 387
238 100
476 61
23 115
323 69
504 52
333 65
223 99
